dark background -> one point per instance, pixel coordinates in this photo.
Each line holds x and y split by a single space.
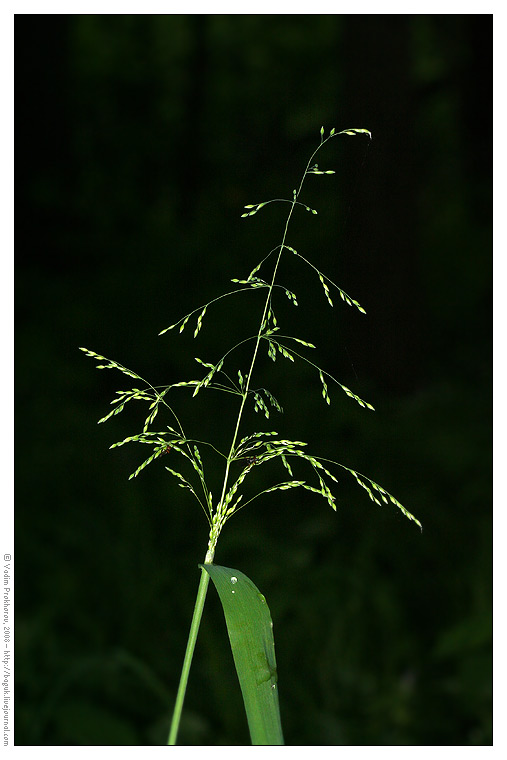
139 139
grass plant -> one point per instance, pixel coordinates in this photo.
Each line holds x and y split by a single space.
247 450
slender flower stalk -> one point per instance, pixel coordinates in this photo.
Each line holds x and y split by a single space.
189 653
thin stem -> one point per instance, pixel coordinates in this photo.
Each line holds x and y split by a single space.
189 653
219 518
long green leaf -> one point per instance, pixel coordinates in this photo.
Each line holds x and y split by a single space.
251 635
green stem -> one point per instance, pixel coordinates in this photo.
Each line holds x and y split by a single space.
203 584
187 662
219 517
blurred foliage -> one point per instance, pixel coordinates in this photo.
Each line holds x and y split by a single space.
138 141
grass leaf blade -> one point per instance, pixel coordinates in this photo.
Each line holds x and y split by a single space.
251 635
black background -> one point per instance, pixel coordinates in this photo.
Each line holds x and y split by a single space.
139 139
